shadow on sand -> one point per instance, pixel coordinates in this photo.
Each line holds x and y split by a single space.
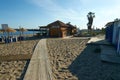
88 65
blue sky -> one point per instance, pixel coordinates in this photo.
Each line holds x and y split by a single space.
34 13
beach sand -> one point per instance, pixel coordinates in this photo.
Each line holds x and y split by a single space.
15 48
12 70
71 59
62 52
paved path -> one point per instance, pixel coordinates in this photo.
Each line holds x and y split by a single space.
39 67
94 39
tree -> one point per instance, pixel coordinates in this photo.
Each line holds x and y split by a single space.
117 19
90 17
103 30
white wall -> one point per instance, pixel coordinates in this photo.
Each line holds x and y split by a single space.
118 45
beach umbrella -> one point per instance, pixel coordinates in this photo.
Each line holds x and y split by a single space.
8 30
22 30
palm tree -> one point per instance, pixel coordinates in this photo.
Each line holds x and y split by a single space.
90 17
22 30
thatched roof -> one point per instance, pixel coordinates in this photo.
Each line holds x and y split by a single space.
23 29
9 30
57 23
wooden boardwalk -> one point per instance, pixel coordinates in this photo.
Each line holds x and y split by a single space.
39 67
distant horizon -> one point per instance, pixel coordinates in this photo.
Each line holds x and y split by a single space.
34 13
49 23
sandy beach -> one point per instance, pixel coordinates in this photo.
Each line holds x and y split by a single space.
62 52
12 70
71 59
15 48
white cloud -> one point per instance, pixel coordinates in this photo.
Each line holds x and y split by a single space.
107 14
105 10
56 10
46 4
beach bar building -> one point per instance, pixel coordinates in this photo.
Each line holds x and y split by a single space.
44 31
113 34
57 29
71 29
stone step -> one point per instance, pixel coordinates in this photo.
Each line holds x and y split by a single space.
109 58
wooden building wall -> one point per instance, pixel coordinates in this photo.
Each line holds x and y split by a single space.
55 32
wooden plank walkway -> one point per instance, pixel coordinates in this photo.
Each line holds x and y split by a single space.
39 67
